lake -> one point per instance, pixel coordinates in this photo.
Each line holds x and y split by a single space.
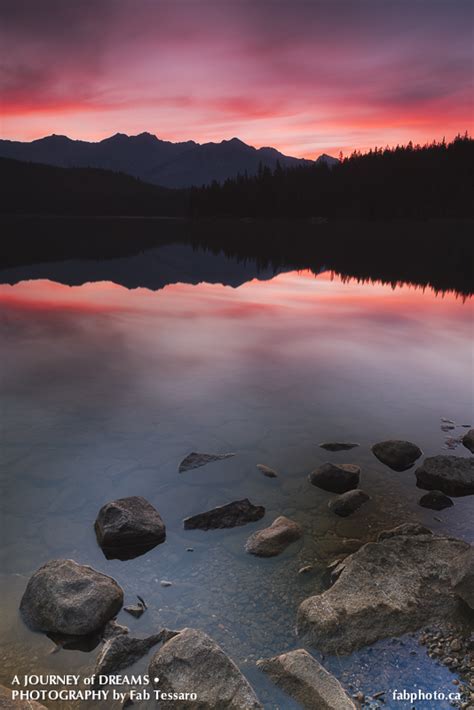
114 370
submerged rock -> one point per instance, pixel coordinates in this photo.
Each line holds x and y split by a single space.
6 702
239 512
191 662
67 598
195 460
468 440
348 503
267 471
337 446
129 527
303 678
398 455
336 478
386 588
453 475
273 540
121 651
463 577
135 610
435 500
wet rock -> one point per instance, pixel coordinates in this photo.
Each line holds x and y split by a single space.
113 628
336 478
239 512
398 455
267 471
306 569
129 527
196 460
192 662
435 500
6 702
300 675
348 503
404 529
271 541
463 577
67 598
386 588
166 583
453 475
468 440
337 446
121 651
135 610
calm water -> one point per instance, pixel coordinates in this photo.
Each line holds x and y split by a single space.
106 389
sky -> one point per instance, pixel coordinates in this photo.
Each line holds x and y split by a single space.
304 76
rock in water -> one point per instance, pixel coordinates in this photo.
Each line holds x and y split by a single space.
128 527
121 651
337 446
453 475
387 588
191 662
6 702
267 471
231 515
273 540
304 679
336 478
463 577
67 598
435 500
348 502
398 455
195 460
468 440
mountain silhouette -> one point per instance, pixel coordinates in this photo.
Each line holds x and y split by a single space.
153 160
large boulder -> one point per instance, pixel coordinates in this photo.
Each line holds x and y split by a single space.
128 527
240 512
121 651
396 454
304 679
335 478
7 702
386 588
191 662
463 577
65 597
453 475
468 440
273 540
348 503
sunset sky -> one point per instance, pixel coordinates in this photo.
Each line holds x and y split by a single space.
303 76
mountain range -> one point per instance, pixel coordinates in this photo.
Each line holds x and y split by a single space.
156 161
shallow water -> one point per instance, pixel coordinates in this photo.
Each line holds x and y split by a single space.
105 390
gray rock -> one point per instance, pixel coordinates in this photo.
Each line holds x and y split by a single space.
273 540
195 460
192 662
121 651
348 503
135 610
386 588
398 455
304 679
453 475
128 527
463 577
112 629
404 529
240 512
435 500
6 702
468 440
267 471
337 446
336 478
67 598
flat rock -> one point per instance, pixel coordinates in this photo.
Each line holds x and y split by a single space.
6 702
336 478
267 471
348 503
121 651
129 527
271 541
386 588
192 662
302 677
468 440
196 460
463 577
398 455
65 597
338 446
453 475
435 500
239 512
